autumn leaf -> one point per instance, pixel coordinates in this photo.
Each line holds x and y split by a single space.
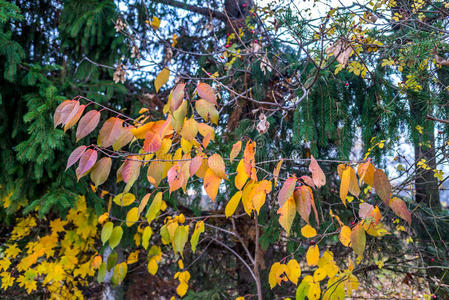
207 111
242 176
87 161
109 132
205 91
232 204
119 273
276 171
358 239
293 271
249 160
181 237
132 216
124 138
146 235
400 209
313 255
259 193
308 231
211 184
154 208
345 236
195 164
177 95
199 228
382 186
161 79
175 177
116 237
71 122
62 111
287 190
124 199
106 232
189 129
100 172
217 165
366 173
87 124
235 150
287 214
319 179
276 274
155 172
75 156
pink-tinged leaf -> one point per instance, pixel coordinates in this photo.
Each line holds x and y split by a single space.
131 169
58 116
382 186
307 195
317 174
206 92
69 112
365 210
177 95
358 239
195 164
153 142
75 119
110 132
235 150
307 180
303 206
100 172
87 161
124 139
400 209
75 156
217 165
155 172
87 124
175 177
287 190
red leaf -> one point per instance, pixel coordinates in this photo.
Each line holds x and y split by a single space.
307 180
87 161
87 124
287 190
75 156
110 132
206 92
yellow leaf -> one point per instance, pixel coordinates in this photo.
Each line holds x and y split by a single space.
314 291
366 173
313 255
308 231
242 176
124 199
287 212
132 216
155 23
276 172
345 235
152 266
133 257
247 197
358 239
232 204
154 208
217 165
276 274
199 228
181 237
319 274
146 235
161 79
293 271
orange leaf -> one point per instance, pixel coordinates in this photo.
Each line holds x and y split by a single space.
195 164
317 174
400 209
141 131
308 231
249 159
366 173
358 239
205 91
153 142
175 177
211 184
87 124
286 190
75 118
155 172
75 156
307 180
110 132
287 214
131 169
382 186
235 150
87 161
217 165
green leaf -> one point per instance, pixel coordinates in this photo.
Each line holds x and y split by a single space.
116 236
106 232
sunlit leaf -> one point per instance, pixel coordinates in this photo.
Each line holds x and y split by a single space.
205 91
235 150
308 231
313 255
161 79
